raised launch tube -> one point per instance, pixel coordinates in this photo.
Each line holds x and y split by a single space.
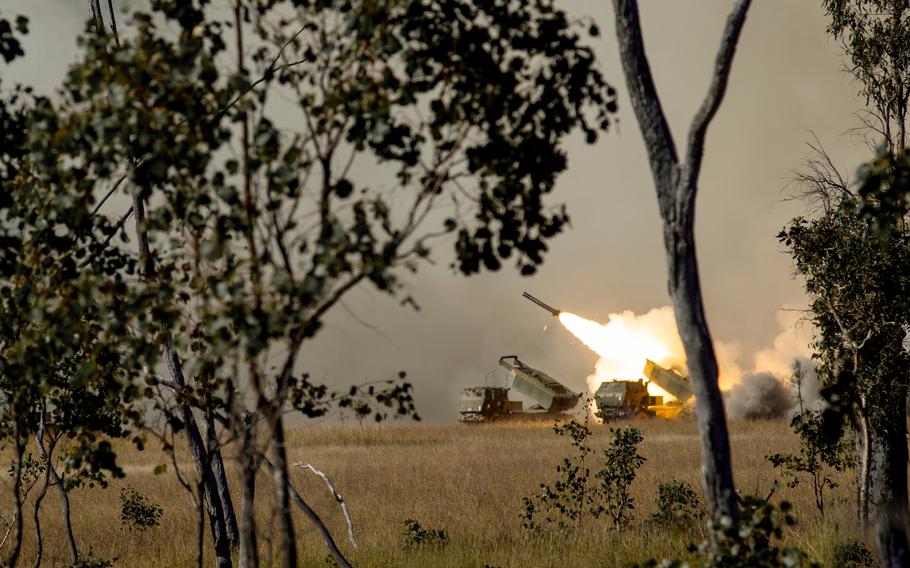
549 308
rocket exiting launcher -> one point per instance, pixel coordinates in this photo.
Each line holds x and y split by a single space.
547 307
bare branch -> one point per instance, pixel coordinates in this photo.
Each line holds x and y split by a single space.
108 194
109 238
335 495
722 64
645 102
314 518
819 179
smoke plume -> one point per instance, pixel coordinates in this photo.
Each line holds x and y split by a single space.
759 395
768 391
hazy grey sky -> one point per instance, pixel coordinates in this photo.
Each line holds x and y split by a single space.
787 80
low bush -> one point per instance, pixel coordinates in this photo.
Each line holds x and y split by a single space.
678 506
853 554
137 511
415 536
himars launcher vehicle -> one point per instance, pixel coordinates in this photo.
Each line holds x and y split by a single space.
620 398
486 404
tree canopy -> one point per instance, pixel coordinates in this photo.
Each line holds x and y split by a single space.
276 156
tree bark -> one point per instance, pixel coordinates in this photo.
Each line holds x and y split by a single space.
36 517
221 544
862 462
221 483
13 557
280 474
677 185
67 514
887 483
685 293
249 552
52 477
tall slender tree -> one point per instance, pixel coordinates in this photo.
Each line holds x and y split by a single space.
676 182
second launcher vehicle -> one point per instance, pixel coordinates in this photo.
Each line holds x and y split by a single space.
486 404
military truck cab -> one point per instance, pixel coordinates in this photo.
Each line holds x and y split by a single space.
479 404
624 399
618 399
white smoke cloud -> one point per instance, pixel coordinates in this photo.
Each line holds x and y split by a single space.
792 343
767 391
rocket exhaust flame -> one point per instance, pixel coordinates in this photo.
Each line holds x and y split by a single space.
626 342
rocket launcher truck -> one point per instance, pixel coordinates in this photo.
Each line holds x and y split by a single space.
486 404
619 399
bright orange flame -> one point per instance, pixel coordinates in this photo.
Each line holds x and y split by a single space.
626 341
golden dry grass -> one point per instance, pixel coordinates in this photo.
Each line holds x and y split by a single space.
466 480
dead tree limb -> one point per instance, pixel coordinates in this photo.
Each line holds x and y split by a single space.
314 518
335 495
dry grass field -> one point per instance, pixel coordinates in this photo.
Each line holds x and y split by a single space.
466 480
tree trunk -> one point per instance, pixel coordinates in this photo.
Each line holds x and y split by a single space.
249 553
36 519
222 545
283 502
54 478
685 292
676 183
13 557
888 497
221 483
200 525
67 515
862 462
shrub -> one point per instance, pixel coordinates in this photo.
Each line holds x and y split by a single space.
817 456
415 536
621 463
92 562
754 544
678 505
565 502
137 511
853 554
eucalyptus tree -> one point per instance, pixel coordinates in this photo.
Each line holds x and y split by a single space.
250 144
676 184
852 252
857 287
876 39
